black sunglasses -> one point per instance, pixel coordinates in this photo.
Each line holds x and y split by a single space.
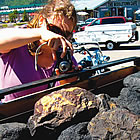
57 30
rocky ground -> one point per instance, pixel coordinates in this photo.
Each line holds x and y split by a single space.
78 114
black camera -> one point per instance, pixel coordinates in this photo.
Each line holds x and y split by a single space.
64 64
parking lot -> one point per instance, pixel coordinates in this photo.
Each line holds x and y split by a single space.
125 51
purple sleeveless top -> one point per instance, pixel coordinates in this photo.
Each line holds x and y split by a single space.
18 67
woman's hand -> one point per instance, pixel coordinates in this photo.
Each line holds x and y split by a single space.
55 41
69 80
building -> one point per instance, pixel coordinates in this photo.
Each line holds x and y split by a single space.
94 8
30 10
126 8
101 8
89 6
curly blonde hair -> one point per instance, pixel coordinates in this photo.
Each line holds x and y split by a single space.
56 8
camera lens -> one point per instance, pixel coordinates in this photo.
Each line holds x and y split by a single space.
64 66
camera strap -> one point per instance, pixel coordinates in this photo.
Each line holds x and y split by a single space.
36 54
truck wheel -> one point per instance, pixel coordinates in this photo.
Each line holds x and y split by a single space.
110 45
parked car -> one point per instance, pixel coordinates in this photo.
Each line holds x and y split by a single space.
138 22
84 23
89 20
129 19
112 35
106 20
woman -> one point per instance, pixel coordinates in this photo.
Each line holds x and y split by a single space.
53 25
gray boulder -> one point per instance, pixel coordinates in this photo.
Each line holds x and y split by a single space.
115 124
76 132
14 131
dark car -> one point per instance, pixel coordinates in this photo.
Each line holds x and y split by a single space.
89 20
106 20
84 23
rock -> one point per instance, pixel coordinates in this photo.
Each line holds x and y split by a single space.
129 99
14 131
76 132
132 82
104 102
115 124
63 108
75 114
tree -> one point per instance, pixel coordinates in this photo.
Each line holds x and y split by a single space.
13 16
25 16
20 2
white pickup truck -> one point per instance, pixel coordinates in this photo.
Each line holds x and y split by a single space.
112 35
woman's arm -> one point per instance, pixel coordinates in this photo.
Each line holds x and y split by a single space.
14 38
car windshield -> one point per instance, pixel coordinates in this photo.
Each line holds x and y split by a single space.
96 22
89 20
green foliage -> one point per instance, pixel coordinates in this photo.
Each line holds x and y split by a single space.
20 2
19 24
13 16
25 16
4 25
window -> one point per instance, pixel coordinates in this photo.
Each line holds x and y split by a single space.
96 22
88 20
113 20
